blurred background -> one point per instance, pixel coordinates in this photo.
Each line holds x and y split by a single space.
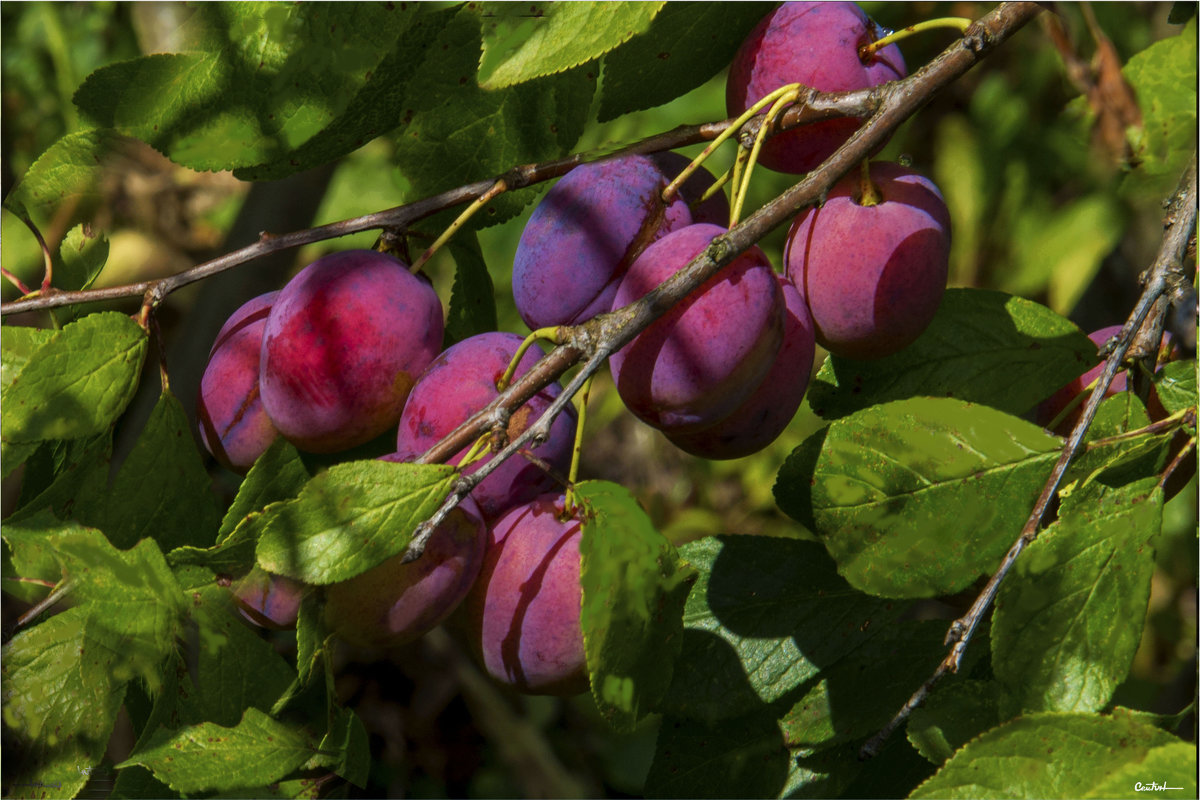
1042 206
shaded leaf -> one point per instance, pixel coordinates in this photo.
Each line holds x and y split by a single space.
278 474
1176 386
686 44
952 716
472 298
633 595
978 340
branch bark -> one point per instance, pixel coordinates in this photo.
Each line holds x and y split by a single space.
1167 270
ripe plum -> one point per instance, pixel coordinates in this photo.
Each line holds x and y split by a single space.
584 234
815 44
396 603
872 275
269 601
461 381
523 613
344 342
762 417
234 426
702 359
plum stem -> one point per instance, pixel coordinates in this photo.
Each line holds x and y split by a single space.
577 447
498 188
960 24
868 191
550 334
783 100
734 126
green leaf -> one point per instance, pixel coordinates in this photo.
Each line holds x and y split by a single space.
69 171
1172 771
952 716
1176 386
348 519
81 257
855 697
18 344
78 382
345 748
459 132
739 757
69 477
278 474
206 757
61 696
918 497
1164 78
1053 755
283 74
686 44
978 341
379 106
1069 617
765 616
522 41
633 595
162 490
472 298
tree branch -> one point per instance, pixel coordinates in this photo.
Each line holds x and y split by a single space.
1179 225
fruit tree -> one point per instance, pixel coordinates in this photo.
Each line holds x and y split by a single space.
599 399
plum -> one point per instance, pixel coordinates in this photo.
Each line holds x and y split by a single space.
234 426
267 600
762 417
583 235
715 209
817 45
698 362
522 616
343 345
872 275
1054 405
461 381
396 603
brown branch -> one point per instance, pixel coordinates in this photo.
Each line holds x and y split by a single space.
1179 225
603 335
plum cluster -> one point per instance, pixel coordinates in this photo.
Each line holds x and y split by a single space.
351 348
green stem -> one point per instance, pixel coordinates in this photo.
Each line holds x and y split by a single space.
868 192
959 24
577 448
781 102
549 334
498 188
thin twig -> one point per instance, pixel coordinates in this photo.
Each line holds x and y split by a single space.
1179 226
603 335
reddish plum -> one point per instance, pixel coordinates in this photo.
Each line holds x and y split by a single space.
762 417
269 601
461 381
872 275
234 426
702 359
344 342
396 603
815 44
583 235
523 613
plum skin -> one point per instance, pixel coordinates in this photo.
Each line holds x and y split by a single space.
344 342
234 426
583 234
267 600
702 359
523 613
815 44
872 276
763 416
395 603
461 381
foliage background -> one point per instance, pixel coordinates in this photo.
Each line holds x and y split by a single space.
1039 210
